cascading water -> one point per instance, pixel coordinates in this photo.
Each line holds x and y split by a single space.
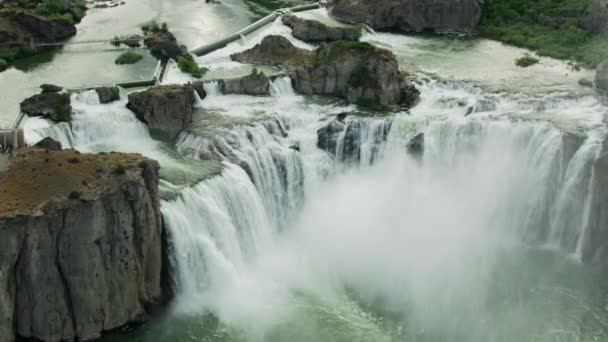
477 236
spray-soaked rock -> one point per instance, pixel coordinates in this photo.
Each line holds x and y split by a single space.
415 147
256 83
601 76
167 110
108 94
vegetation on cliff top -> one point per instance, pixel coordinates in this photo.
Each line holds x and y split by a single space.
38 175
128 58
334 50
526 61
189 66
551 27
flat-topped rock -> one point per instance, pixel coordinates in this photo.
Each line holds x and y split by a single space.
52 105
81 245
314 31
167 110
256 83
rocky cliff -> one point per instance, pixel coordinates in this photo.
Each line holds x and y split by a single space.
411 15
80 244
358 72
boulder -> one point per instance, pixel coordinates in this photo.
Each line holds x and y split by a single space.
163 45
55 106
167 110
274 50
595 18
81 246
415 147
314 31
199 87
108 94
327 136
49 144
411 15
256 83
50 88
355 71
601 76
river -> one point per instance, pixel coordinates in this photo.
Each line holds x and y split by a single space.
480 239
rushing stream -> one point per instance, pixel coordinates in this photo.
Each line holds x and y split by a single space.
480 238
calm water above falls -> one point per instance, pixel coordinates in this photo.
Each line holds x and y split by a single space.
478 240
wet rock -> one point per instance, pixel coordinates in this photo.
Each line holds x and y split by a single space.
199 87
108 94
55 106
415 147
43 29
355 71
50 88
327 136
256 83
594 247
77 267
484 105
167 110
601 76
585 82
314 31
595 18
163 45
49 144
411 15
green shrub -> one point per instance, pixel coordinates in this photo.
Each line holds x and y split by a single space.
526 61
371 103
3 64
66 18
128 58
189 66
154 27
74 195
119 169
9 54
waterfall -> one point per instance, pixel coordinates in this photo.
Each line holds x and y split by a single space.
215 228
274 167
281 86
212 88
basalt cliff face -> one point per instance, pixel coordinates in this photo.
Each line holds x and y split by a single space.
411 15
81 247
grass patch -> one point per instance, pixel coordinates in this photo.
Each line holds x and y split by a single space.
63 10
128 58
189 66
549 27
526 61
119 169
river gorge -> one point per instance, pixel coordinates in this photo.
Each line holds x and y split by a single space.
476 213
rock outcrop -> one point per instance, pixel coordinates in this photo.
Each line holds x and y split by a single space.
49 144
411 15
355 71
167 110
108 94
595 19
55 106
163 45
256 83
315 32
344 139
601 76
415 147
80 244
50 88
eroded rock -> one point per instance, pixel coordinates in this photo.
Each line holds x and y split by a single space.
595 18
256 83
108 94
55 106
80 247
167 110
164 45
49 144
601 76
315 31
411 15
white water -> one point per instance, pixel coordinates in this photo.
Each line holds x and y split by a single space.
305 246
